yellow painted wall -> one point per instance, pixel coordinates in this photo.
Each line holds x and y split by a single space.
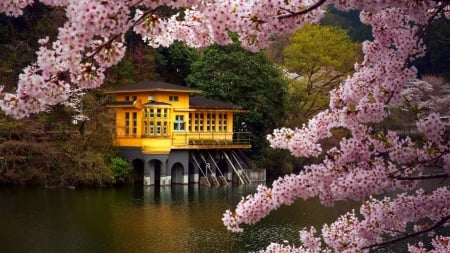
163 144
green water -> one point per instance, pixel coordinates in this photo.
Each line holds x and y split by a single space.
143 219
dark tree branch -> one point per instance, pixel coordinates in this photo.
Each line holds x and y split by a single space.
378 246
434 176
439 10
297 13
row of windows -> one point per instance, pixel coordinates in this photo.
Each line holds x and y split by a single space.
214 122
160 128
134 98
152 128
130 123
155 122
156 113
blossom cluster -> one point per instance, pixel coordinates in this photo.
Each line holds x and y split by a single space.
388 217
91 40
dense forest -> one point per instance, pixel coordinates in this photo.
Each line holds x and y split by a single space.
55 148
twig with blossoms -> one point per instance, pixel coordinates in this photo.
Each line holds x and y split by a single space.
431 228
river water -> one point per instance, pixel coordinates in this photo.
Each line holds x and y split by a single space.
144 219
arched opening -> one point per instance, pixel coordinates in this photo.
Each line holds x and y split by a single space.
177 173
155 171
138 171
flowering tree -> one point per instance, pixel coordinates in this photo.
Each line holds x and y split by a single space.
369 162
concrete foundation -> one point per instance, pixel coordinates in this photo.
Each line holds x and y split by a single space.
178 167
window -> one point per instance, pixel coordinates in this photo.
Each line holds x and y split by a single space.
158 113
213 122
165 128
200 122
190 122
134 123
156 122
178 125
127 123
158 128
173 98
127 98
224 123
152 113
208 122
219 122
145 128
196 122
152 128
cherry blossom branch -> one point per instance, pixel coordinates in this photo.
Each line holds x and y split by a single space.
113 38
438 224
439 10
434 176
298 13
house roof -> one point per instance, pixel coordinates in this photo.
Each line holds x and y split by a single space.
205 103
152 86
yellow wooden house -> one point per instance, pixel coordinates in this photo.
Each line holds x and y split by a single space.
172 135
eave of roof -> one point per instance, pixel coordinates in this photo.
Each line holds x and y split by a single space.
155 103
152 86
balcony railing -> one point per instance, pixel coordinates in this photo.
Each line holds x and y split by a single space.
210 138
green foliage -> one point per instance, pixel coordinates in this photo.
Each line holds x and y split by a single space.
19 39
437 58
174 62
138 64
48 149
87 168
315 47
121 169
348 20
320 58
234 75
24 162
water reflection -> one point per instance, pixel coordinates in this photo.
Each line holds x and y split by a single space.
176 218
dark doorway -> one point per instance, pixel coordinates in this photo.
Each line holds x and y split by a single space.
138 171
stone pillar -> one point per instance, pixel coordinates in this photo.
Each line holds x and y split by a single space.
185 176
149 179
166 180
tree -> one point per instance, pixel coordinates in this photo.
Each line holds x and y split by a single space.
318 59
232 74
174 62
366 163
348 20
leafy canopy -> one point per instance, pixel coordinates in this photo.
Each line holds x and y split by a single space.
318 58
232 74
